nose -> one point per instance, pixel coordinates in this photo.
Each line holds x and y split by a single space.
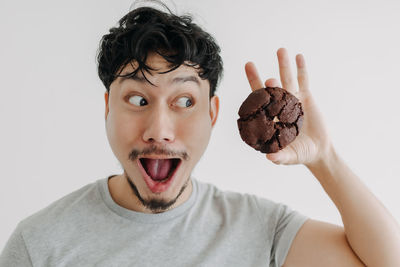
159 127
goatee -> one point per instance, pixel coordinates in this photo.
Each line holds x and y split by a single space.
155 205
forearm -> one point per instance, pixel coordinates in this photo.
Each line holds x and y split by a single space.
371 231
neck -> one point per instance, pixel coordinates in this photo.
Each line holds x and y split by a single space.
122 194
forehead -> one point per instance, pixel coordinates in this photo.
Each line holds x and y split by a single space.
160 70
183 76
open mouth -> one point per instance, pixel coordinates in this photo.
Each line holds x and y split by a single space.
160 170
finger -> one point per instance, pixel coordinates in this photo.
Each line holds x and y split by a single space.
302 75
252 76
285 156
274 157
284 70
272 83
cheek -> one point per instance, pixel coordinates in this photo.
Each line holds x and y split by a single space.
121 133
195 132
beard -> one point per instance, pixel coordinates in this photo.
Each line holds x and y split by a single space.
155 205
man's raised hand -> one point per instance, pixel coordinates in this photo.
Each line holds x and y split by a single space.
313 141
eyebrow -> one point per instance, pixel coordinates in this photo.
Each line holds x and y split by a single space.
182 79
179 79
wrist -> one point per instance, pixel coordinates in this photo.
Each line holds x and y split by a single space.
325 163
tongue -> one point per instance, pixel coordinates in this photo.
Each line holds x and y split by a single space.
158 169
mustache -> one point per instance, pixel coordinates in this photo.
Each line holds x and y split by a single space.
154 150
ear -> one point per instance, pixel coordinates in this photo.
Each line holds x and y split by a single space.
214 109
106 96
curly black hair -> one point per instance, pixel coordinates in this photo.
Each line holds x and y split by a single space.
176 38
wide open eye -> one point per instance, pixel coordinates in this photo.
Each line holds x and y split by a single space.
184 102
137 100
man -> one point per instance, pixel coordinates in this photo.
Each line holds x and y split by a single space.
161 72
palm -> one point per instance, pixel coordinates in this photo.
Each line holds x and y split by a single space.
313 139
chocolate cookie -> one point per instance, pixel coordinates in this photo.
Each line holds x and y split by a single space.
270 119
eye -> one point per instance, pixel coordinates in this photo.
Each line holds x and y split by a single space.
184 102
137 100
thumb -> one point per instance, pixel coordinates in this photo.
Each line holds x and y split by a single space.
285 156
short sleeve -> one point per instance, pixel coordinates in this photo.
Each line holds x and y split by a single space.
15 252
281 225
287 227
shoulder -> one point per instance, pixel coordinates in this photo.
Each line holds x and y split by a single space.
211 193
60 210
243 203
274 222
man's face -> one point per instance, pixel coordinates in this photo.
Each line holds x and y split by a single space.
159 132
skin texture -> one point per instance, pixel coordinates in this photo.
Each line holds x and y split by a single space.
370 235
164 123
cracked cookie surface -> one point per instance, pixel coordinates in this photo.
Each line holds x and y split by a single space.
270 119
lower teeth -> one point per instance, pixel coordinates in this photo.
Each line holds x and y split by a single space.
165 179
161 181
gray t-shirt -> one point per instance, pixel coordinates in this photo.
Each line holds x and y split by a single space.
212 228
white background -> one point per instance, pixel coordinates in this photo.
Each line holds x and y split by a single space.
52 135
